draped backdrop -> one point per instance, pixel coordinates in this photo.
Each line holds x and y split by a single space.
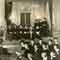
38 8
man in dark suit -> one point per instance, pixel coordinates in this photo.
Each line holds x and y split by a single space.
44 28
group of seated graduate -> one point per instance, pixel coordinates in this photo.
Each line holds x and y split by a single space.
38 49
38 29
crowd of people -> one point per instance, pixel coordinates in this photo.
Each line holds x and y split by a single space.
32 46
38 49
39 29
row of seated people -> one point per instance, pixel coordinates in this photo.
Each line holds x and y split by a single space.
26 31
20 31
38 50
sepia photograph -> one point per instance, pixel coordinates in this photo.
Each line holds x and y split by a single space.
29 29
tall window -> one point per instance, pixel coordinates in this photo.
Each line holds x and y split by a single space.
25 18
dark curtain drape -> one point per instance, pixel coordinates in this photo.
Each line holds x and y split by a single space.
8 9
50 11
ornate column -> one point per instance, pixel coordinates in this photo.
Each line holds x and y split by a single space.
56 18
2 18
